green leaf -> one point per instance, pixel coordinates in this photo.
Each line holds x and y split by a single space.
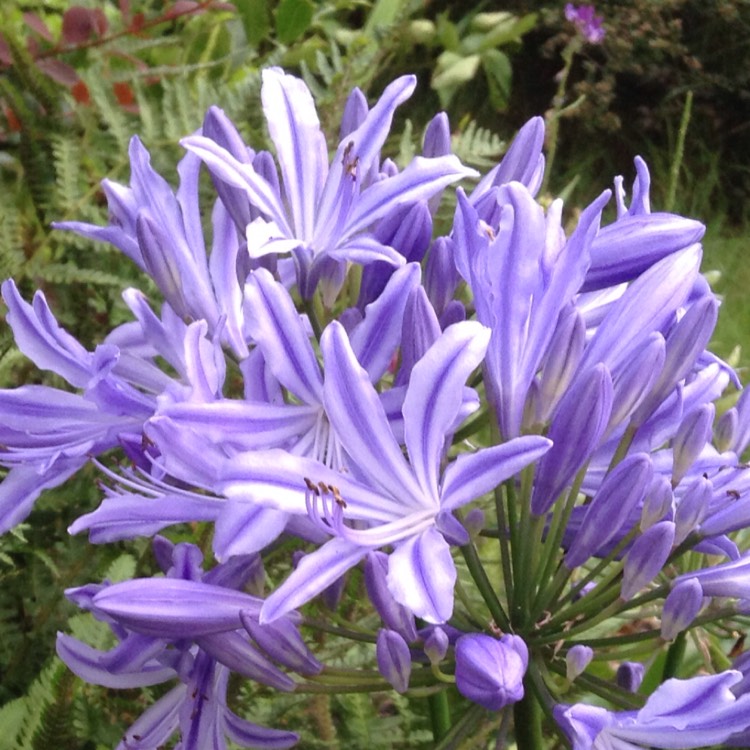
451 72
509 31
293 18
384 14
499 73
447 33
256 19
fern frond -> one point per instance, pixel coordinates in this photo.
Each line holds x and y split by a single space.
67 163
56 727
11 242
41 694
477 146
69 273
112 117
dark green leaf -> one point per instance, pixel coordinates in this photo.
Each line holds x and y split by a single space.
293 18
499 73
256 19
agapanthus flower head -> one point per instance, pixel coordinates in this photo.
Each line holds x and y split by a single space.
589 25
509 428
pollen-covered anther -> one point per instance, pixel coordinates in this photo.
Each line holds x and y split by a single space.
325 505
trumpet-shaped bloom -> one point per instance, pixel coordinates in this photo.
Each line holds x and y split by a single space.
679 714
406 504
185 626
326 211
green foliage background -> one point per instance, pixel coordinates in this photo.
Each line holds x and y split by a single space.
491 70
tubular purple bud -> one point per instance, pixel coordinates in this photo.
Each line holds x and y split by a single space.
234 651
576 429
174 608
474 521
332 594
437 136
283 643
633 380
420 329
646 558
657 505
619 495
394 615
692 507
394 659
436 645
726 430
691 437
523 162
742 435
576 661
562 360
629 675
490 671
441 277
625 249
685 342
680 607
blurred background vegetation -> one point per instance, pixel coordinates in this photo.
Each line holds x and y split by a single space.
78 79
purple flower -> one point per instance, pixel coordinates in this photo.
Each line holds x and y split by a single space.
584 18
407 504
489 671
184 626
680 714
327 211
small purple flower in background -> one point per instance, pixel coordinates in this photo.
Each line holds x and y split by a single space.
589 24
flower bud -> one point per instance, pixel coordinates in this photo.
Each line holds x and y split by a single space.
646 558
394 659
576 661
680 607
283 643
658 502
726 429
692 435
436 645
490 671
629 675
394 615
692 508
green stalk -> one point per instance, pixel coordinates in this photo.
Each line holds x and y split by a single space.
553 121
461 728
528 720
440 715
674 656
545 594
505 540
613 608
479 574
312 307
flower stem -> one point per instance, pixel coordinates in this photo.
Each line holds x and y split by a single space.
674 656
528 720
479 574
440 715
